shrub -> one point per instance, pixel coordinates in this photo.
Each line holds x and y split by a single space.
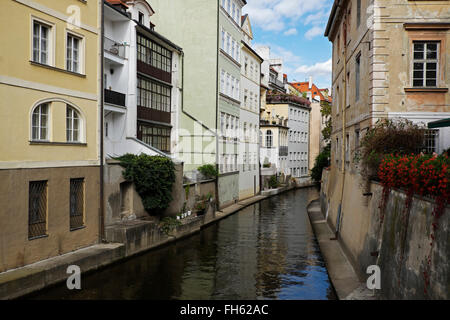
153 177
266 165
273 182
320 163
388 137
209 171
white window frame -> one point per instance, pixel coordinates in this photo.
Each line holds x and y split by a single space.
50 41
72 120
81 50
39 124
424 61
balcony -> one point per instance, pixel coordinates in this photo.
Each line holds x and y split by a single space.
115 98
114 48
283 151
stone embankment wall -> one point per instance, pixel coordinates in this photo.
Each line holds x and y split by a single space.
400 245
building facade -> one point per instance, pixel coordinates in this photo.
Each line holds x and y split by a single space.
297 111
50 132
142 81
249 177
317 97
210 108
390 60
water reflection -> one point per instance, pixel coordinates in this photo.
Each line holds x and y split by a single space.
267 251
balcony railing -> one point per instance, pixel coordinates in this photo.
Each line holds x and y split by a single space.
114 48
114 97
283 151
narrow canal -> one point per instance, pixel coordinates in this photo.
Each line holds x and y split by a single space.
266 251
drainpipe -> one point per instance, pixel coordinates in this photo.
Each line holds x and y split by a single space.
102 206
217 105
340 211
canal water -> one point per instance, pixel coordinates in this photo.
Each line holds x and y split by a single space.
265 251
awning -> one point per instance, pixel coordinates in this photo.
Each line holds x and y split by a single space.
439 123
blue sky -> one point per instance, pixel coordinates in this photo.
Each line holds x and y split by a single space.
294 31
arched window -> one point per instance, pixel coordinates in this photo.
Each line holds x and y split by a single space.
72 125
269 139
39 123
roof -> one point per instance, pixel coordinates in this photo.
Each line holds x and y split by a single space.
304 87
115 2
243 18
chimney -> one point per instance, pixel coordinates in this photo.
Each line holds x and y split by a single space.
310 82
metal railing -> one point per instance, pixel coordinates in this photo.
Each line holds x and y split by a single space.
113 47
115 97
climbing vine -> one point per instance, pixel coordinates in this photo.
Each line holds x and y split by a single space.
153 177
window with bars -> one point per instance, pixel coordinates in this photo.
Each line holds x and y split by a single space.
76 203
41 33
153 54
425 63
72 55
37 209
269 139
72 125
156 136
154 95
430 141
39 123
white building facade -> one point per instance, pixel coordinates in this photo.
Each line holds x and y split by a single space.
142 82
249 178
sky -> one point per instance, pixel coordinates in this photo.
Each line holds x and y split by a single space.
293 29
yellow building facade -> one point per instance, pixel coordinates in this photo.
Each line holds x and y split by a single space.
50 128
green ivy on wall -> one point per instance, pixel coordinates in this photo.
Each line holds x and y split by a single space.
153 177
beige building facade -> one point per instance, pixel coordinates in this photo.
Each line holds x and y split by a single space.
49 132
390 60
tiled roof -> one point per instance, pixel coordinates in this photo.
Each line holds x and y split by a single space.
304 87
113 2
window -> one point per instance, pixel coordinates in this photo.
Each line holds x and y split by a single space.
269 139
39 123
153 54
233 48
425 60
228 85
72 125
233 82
357 76
72 55
141 18
223 40
37 209
222 81
238 91
356 139
358 13
222 124
347 148
41 34
431 141
233 11
156 136
76 203
228 44
154 95
229 6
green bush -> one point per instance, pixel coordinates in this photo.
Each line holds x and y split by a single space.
266 165
320 163
153 177
388 137
273 182
209 171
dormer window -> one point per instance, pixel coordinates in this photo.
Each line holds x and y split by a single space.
141 18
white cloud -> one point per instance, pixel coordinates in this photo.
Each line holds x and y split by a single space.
273 15
290 32
314 32
318 69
